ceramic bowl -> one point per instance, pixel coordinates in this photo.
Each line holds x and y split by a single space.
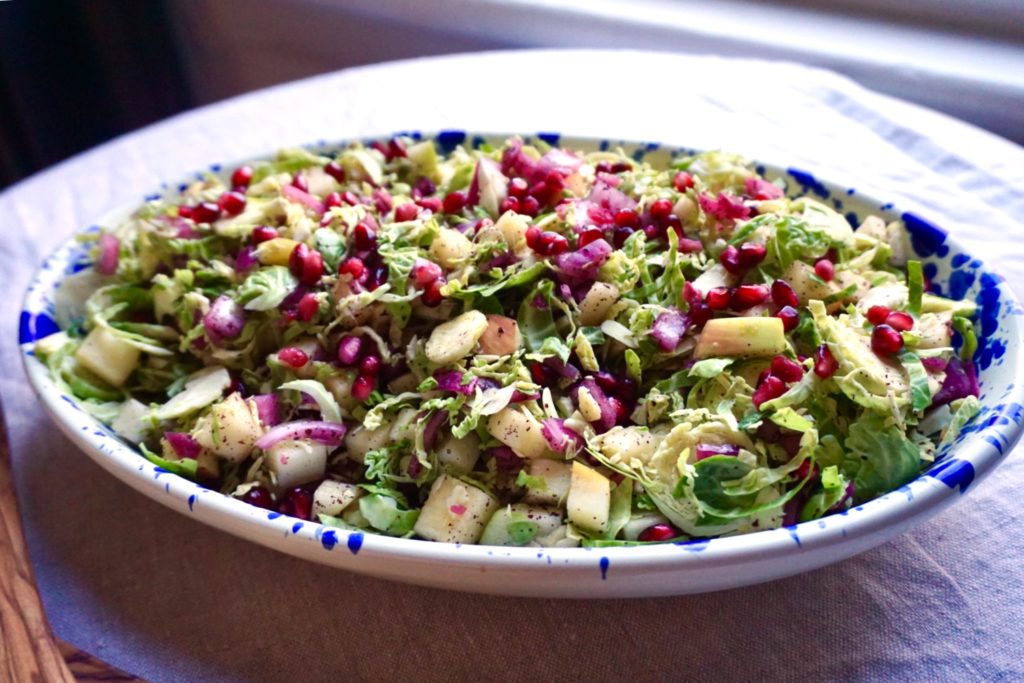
653 570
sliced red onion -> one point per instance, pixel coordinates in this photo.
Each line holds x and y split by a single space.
109 248
246 259
610 198
559 437
298 196
585 262
608 413
269 408
759 188
520 397
851 489
934 364
225 319
184 445
725 208
566 370
433 427
501 261
707 450
293 298
960 382
349 348
505 458
668 329
451 380
330 433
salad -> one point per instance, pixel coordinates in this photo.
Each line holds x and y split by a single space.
519 345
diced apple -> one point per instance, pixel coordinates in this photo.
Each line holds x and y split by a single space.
459 455
519 431
806 285
231 428
512 227
595 305
297 462
456 338
107 355
360 441
276 252
630 443
450 248
520 524
589 500
501 338
424 158
742 337
551 481
455 512
331 497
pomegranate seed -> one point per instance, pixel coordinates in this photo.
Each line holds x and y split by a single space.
454 201
334 169
751 254
396 150
207 212
589 235
539 373
297 503
551 244
293 357
688 246
232 203
350 198
262 233
258 496
790 318
541 192
518 188
718 298
620 235
885 341
825 270
692 295
660 209
532 236
424 188
530 206
825 364
185 211
353 266
332 200
432 204
783 294
364 237
699 314
362 387
349 348
899 321
509 204
309 306
377 277
424 272
772 387
306 264
406 212
672 222
657 533
786 369
730 260
764 374
682 181
370 366
299 181
627 218
242 176
748 296
555 180
432 296
607 381
621 411
878 314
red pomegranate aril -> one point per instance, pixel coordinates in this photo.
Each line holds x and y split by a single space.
262 233
627 218
885 341
432 204
185 211
771 388
509 204
620 235
672 222
825 269
825 364
748 296
786 369
377 277
682 181
660 209
899 321
551 244
364 237
299 181
718 298
334 169
454 202
432 295
790 318
242 176
783 294
306 264
207 212
258 496
361 387
607 381
530 206
539 373
688 246
589 235
517 187
751 254
541 192
293 357
692 295
621 411
370 365
533 234
657 533
353 266
730 260
350 198
878 314
406 212
297 503
232 203
349 348
309 306
699 314
332 200
424 272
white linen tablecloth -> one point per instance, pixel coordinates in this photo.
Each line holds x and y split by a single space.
169 599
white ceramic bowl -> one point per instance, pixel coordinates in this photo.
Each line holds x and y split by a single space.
601 572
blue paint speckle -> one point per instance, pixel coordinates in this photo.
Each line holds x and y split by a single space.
34 327
329 539
157 471
925 237
355 542
954 473
550 138
959 260
809 183
296 527
191 502
448 140
694 546
273 515
850 191
959 282
793 534
905 490
604 562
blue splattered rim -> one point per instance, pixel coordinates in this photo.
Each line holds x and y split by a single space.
978 449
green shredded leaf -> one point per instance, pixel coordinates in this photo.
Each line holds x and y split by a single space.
920 392
915 286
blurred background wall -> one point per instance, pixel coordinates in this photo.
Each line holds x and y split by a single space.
74 73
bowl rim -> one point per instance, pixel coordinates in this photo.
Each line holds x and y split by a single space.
882 517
